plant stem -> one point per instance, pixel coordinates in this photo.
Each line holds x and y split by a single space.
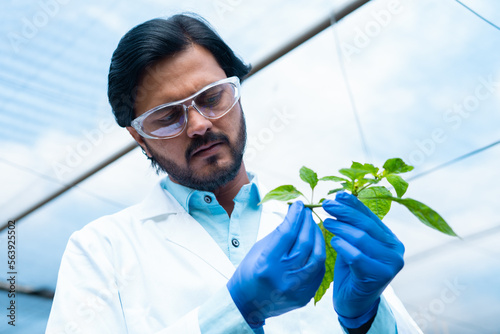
321 220
362 188
310 206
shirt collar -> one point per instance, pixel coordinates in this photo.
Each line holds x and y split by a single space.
190 198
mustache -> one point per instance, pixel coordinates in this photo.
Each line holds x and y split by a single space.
208 137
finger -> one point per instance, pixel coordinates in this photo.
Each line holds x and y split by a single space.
304 243
348 252
318 254
369 246
353 216
355 203
284 236
314 269
353 257
364 268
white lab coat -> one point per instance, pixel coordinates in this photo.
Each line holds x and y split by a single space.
148 268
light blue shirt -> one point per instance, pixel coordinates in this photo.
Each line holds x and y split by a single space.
235 235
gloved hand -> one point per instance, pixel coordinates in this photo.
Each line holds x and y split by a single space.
282 271
369 256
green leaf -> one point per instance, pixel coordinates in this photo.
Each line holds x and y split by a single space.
332 178
363 181
426 215
347 185
396 166
333 191
368 167
375 198
282 193
331 256
398 183
309 176
353 173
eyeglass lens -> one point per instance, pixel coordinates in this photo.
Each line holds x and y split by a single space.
212 103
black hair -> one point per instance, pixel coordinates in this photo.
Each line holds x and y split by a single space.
154 40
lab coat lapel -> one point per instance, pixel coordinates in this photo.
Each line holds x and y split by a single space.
186 232
178 227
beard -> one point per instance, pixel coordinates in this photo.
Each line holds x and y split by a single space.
219 176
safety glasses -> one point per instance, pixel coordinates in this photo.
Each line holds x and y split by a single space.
170 119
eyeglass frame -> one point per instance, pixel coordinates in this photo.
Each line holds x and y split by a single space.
138 121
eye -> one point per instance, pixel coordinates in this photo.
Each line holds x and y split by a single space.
167 116
210 98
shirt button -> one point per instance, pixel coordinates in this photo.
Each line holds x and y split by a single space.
208 199
235 242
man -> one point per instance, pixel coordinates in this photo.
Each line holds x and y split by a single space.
200 255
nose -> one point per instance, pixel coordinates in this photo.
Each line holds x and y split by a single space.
197 124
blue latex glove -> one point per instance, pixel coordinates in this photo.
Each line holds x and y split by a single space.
369 256
282 271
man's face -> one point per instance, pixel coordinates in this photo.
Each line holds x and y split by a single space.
208 153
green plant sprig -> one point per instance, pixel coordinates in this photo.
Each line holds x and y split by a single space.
362 181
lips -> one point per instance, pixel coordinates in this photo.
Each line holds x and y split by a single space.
206 148
202 146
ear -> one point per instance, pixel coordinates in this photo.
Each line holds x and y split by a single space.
139 139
